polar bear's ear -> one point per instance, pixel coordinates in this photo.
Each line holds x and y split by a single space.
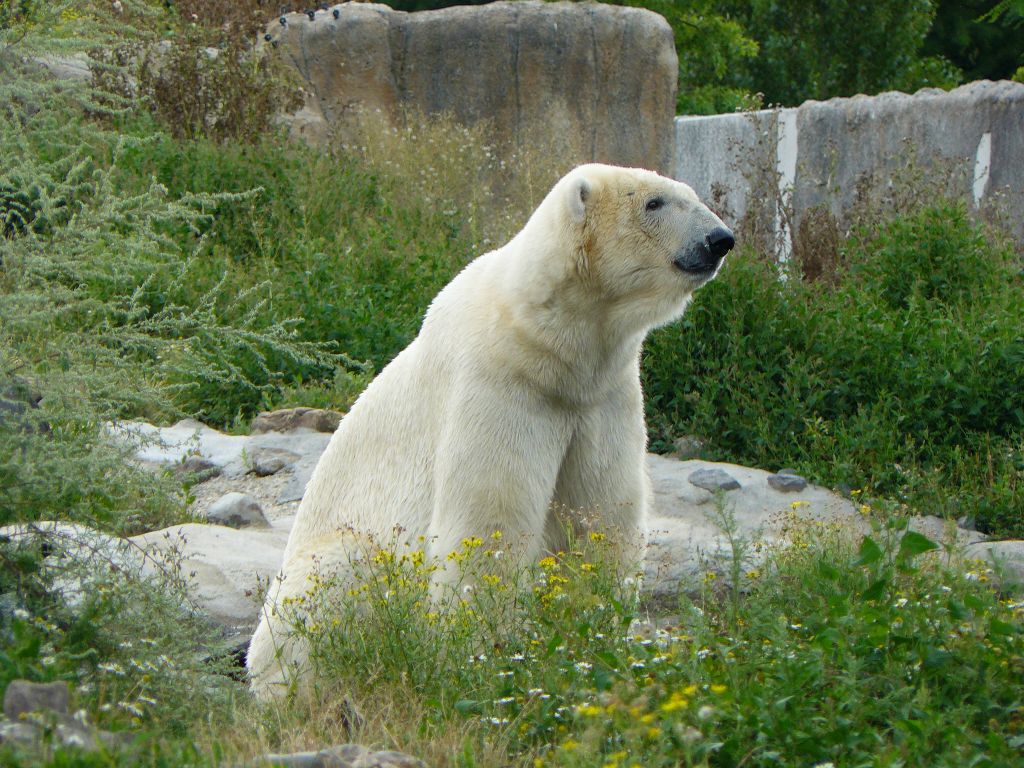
579 195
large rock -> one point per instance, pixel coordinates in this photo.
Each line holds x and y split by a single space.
226 567
36 714
688 524
287 419
687 527
585 81
344 756
23 696
1007 558
77 557
236 510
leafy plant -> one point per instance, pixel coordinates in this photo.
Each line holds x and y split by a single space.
898 377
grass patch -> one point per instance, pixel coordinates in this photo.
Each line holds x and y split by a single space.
857 652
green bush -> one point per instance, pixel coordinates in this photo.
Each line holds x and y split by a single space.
334 247
903 373
806 54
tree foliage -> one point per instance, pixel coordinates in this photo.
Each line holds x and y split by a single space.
983 38
838 48
714 50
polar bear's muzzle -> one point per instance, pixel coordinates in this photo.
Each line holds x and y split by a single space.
704 257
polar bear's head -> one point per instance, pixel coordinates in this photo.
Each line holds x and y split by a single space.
639 240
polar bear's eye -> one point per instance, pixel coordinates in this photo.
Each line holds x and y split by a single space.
655 203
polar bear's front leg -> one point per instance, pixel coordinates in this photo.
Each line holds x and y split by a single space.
496 468
604 476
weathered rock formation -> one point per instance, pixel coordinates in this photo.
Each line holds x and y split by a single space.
586 81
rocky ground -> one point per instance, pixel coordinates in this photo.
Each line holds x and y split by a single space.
250 487
246 490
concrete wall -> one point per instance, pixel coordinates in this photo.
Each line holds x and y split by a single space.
968 142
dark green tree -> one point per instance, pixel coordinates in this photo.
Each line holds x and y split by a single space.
985 39
838 47
714 52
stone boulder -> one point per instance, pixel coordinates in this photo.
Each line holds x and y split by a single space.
687 536
287 419
344 756
77 556
584 81
1006 557
190 441
826 156
236 510
226 567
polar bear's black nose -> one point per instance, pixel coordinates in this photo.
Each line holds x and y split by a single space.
719 241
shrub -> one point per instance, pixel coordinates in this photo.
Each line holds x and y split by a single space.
225 92
901 372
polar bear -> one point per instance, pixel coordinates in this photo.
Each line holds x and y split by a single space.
519 397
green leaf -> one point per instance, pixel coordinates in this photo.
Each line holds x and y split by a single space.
868 553
975 603
553 644
913 544
957 611
876 590
603 679
997 627
935 659
828 570
467 706
828 638
608 658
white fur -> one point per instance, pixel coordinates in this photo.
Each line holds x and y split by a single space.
521 394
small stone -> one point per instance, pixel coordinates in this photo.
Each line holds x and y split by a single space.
270 461
22 696
689 447
787 483
200 468
787 471
236 510
287 419
713 480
